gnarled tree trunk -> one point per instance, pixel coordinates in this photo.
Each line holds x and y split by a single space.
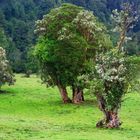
78 96
111 119
64 94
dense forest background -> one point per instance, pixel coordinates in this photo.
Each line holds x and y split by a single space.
17 20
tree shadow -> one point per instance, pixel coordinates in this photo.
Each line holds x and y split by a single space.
5 92
92 102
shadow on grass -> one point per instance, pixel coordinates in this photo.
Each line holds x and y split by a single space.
89 103
5 92
86 103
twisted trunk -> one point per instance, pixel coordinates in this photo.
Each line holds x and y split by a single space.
64 94
78 96
121 41
111 119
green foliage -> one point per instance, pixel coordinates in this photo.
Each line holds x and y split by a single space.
6 75
17 19
110 78
32 63
133 72
133 47
3 38
63 61
66 34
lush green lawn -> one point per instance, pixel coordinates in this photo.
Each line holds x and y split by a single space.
29 111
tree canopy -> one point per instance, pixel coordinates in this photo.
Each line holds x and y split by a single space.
66 35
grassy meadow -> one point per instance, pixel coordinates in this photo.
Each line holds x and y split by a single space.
30 111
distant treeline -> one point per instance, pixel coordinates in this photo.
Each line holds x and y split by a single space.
17 19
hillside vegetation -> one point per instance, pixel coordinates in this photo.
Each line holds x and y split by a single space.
17 19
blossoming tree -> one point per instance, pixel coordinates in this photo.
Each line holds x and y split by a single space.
6 75
112 76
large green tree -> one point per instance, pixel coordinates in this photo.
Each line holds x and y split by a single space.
66 36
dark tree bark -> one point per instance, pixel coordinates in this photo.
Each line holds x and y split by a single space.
64 94
111 119
78 96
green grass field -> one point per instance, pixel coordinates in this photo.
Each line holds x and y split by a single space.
30 111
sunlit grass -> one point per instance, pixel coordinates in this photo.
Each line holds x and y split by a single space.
30 111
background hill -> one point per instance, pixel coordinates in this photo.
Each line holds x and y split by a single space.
17 20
